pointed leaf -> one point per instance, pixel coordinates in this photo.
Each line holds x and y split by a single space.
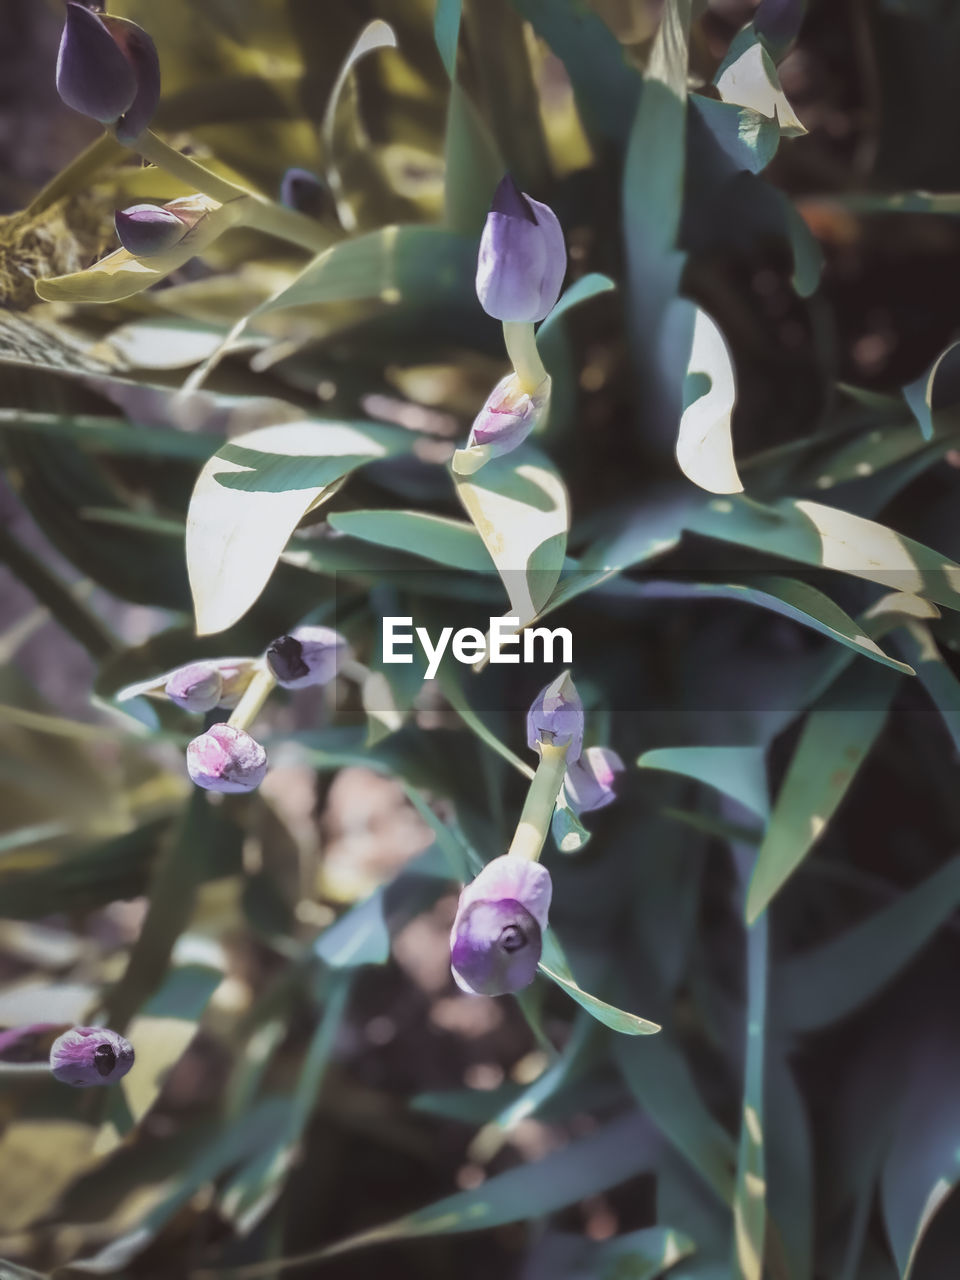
704 442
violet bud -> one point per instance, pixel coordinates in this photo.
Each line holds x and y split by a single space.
497 935
304 191
556 717
778 21
85 1056
148 229
107 68
522 259
18 1044
226 759
502 425
308 655
197 687
589 782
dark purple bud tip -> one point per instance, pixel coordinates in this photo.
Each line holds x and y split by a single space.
309 655
197 687
227 760
87 1056
589 781
778 21
147 229
304 191
522 258
497 935
94 76
556 717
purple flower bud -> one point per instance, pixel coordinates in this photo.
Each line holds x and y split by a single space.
226 759
309 655
304 191
107 68
522 259
197 687
589 781
497 935
17 1044
504 422
148 229
557 717
86 1056
778 21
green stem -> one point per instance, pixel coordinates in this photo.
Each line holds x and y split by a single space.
260 214
254 696
28 1069
540 803
521 343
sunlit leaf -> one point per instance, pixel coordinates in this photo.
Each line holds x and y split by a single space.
749 78
554 966
704 442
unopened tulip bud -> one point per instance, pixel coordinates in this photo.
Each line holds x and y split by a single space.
86 1056
556 717
148 229
197 687
107 68
497 935
226 759
502 425
308 655
522 259
304 191
589 782
778 21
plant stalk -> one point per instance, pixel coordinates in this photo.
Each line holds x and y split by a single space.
254 696
521 342
531 832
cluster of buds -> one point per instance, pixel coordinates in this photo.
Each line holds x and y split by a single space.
226 758
107 68
84 1057
520 269
497 936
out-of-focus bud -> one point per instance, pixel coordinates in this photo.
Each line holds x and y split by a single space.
504 422
522 259
304 191
226 759
108 68
556 717
497 935
148 229
18 1044
589 782
197 687
777 22
85 1056
308 655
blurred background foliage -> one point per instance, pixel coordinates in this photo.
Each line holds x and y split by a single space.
778 882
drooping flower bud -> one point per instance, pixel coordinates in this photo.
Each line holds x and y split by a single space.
304 191
589 781
497 935
556 717
308 655
502 425
522 259
107 68
226 759
778 21
197 687
148 229
85 1056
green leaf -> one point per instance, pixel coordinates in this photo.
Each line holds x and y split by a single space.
553 965
749 1202
704 441
823 985
446 32
113 435
453 543
935 391
634 1255
253 493
587 287
836 739
569 833
520 508
748 77
739 772
749 138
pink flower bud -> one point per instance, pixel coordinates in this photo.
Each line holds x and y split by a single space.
226 759
197 687
86 1056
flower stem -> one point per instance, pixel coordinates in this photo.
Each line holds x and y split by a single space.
522 349
539 805
254 696
29 1069
260 214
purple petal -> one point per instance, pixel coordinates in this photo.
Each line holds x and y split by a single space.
509 200
513 877
93 75
778 21
556 716
589 781
227 760
508 416
522 258
304 191
495 948
141 53
147 229
90 1056
197 687
308 655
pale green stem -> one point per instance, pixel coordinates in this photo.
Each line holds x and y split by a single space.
521 343
540 803
260 214
28 1069
254 696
